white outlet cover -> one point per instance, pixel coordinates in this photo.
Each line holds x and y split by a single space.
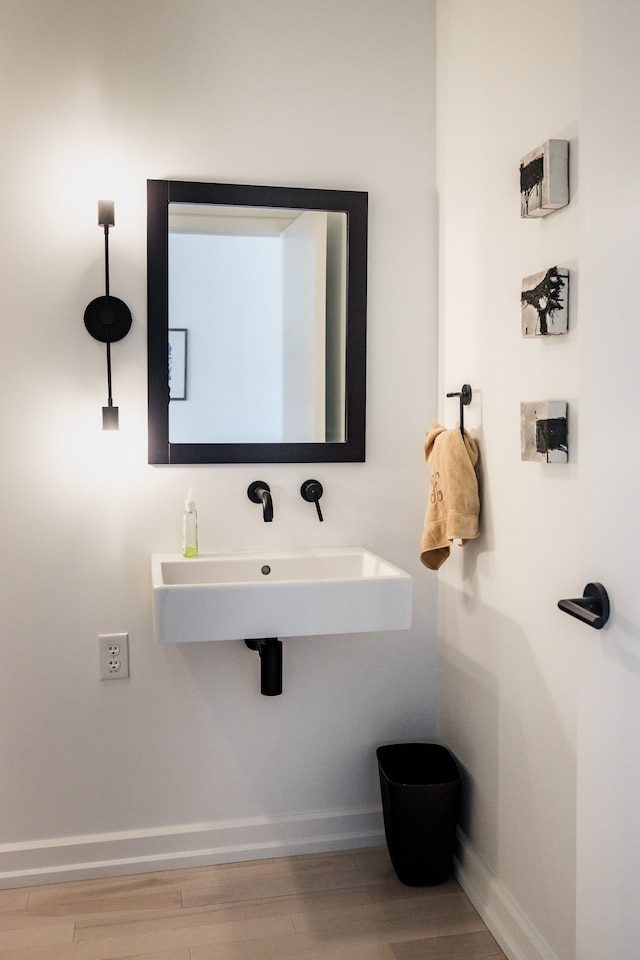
113 653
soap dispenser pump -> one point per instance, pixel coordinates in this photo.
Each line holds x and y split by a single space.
190 527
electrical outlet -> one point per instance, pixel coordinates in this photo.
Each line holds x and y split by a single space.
113 649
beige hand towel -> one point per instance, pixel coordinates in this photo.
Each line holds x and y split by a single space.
454 505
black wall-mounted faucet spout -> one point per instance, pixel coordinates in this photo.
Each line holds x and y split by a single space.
260 492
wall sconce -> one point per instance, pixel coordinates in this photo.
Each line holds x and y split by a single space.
106 318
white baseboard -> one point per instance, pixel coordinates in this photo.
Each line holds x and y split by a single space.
173 847
504 917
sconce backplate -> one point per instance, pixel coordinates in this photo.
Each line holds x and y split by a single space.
107 319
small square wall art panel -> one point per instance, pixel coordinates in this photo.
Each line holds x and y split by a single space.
545 303
544 179
543 431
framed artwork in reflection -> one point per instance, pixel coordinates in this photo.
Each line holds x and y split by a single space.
177 363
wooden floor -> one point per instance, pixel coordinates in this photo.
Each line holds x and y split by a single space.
329 906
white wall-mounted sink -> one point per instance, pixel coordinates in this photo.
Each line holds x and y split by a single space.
277 593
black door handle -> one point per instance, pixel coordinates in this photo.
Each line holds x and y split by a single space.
592 607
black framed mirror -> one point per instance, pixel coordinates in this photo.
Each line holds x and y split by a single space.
257 313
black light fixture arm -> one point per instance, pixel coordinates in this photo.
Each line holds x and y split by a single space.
106 297
107 318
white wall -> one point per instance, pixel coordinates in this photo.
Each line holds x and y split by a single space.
186 758
608 877
509 79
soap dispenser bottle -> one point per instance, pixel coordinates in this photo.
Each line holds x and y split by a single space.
190 527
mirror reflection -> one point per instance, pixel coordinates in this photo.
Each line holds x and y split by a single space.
259 296
257 323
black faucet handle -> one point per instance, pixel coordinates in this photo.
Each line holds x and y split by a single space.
311 491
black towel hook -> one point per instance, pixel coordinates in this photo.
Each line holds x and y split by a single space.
465 394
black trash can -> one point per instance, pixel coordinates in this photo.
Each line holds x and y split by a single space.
420 786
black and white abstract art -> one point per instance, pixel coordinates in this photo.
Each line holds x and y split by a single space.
543 431
544 179
545 303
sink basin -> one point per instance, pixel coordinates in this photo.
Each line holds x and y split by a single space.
277 593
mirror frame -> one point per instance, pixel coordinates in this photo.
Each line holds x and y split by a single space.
160 193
